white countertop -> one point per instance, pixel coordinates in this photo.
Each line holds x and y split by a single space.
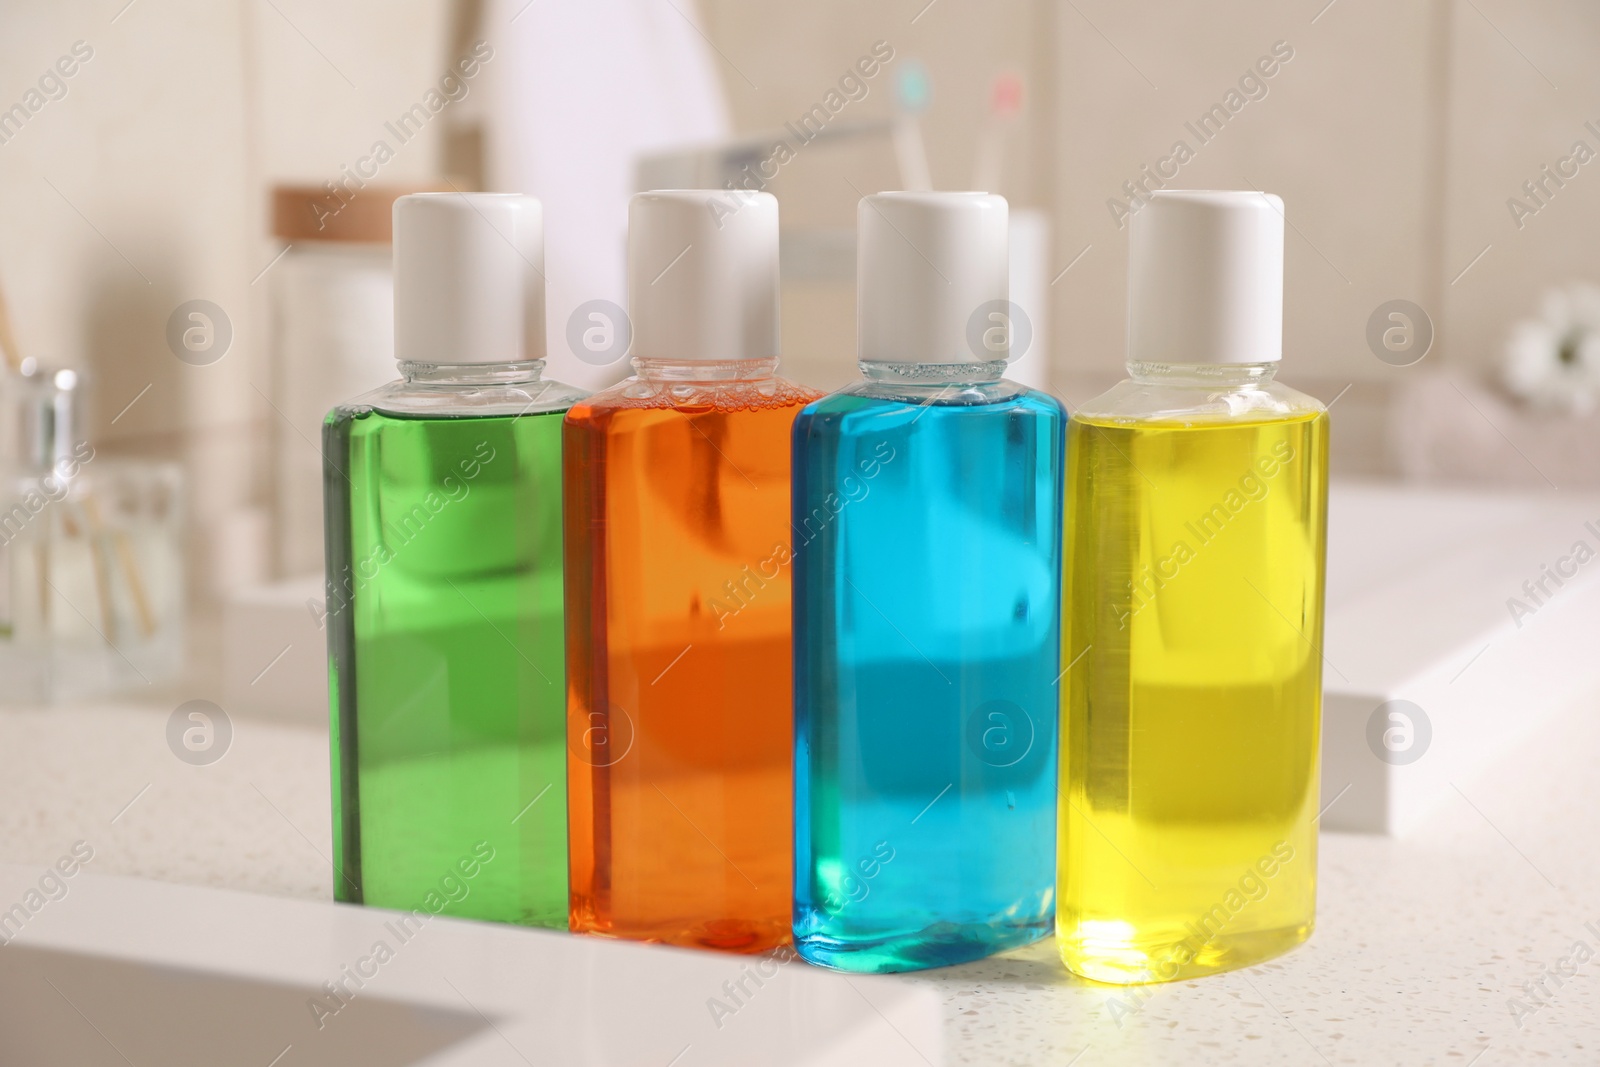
1421 943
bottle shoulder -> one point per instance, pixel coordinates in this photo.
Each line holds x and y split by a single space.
868 396
697 395
425 400
1136 401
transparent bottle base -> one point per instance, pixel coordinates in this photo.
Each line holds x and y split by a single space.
939 945
1172 957
719 935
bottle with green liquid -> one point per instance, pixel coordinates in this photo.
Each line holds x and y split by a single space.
445 609
1192 632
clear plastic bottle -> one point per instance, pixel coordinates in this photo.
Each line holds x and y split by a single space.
1194 574
445 608
679 654
927 511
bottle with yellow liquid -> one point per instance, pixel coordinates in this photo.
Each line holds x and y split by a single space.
1193 608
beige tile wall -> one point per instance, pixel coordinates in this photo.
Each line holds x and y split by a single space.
1344 133
123 199
1348 132
144 186
1356 77
1395 134
1524 80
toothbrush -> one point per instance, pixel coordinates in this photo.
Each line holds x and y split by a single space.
913 92
1005 104
8 341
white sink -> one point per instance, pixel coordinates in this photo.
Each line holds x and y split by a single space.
123 971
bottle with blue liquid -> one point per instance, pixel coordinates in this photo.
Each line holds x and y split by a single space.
927 560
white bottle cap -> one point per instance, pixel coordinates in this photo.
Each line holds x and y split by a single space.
1205 278
926 263
468 278
703 274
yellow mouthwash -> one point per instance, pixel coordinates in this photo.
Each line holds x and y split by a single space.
1193 593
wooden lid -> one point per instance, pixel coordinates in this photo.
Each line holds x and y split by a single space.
312 213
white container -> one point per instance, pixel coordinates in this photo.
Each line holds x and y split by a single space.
333 338
1431 671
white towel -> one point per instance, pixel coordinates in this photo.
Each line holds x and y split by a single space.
578 89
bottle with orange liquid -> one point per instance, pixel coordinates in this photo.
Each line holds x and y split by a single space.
678 563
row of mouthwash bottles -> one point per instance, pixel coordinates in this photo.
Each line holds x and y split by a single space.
905 674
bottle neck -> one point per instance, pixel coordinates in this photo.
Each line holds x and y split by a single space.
705 370
935 374
474 375
1203 375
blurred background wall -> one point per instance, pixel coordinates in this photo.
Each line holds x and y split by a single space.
146 185
1396 133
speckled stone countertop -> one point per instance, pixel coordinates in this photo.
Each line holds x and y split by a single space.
1422 950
